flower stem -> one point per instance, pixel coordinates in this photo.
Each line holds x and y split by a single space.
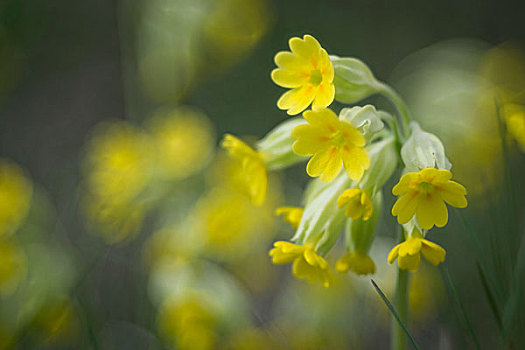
399 338
400 105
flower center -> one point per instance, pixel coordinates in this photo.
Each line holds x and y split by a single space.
426 187
337 138
316 77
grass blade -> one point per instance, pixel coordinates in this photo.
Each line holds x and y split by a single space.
457 300
490 297
394 313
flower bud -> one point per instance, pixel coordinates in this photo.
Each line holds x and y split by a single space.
423 150
276 146
365 119
353 80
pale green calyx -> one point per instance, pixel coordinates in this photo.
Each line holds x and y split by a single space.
383 162
353 80
276 146
365 119
322 220
423 150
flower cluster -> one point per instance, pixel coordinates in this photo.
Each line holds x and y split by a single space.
350 155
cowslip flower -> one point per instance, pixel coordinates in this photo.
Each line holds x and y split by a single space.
308 72
424 194
306 263
358 204
291 215
408 253
359 263
332 143
253 167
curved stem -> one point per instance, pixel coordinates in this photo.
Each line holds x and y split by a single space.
400 105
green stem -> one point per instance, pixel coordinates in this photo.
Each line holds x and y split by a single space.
400 105
399 338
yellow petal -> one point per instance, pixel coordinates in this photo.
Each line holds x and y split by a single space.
325 96
297 100
289 78
289 61
333 167
355 161
453 193
321 118
318 163
405 207
433 252
431 210
411 246
326 67
404 183
409 262
307 47
346 196
392 256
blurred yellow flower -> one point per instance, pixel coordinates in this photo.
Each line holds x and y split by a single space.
15 196
252 167
359 204
408 253
333 143
291 215
515 119
13 266
188 324
308 71
306 263
424 194
359 263
184 140
118 161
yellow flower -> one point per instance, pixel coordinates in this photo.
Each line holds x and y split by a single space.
291 215
359 204
424 194
360 263
306 70
333 143
189 324
408 253
13 266
253 167
515 119
15 196
306 263
184 140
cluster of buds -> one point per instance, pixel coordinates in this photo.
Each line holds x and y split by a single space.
369 144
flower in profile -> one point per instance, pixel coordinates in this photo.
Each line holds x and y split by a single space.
308 72
291 215
359 263
359 204
332 143
408 253
15 196
253 167
306 263
424 194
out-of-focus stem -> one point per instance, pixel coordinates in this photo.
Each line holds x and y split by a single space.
400 105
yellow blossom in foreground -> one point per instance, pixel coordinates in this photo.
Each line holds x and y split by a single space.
333 143
515 119
359 263
308 71
408 253
253 167
306 263
15 196
359 204
424 194
291 215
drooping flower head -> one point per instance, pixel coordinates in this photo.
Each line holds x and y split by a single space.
306 263
308 72
332 143
358 204
424 194
253 167
357 262
291 215
408 253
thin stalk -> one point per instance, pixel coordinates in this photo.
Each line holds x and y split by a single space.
399 338
400 105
